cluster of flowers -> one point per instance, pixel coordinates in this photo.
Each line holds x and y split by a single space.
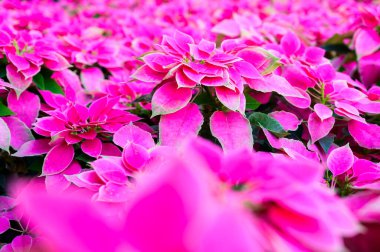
175 126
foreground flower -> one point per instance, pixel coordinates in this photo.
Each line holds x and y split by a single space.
191 64
196 211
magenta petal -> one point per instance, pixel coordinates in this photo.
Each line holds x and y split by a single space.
228 97
366 135
72 217
58 159
58 182
247 70
112 192
318 128
275 83
19 83
110 169
232 130
290 43
340 160
59 63
135 156
33 148
183 80
147 74
322 111
288 121
20 133
367 41
134 134
5 136
26 107
92 147
92 79
300 102
4 224
158 62
19 62
22 243
227 27
169 99
184 123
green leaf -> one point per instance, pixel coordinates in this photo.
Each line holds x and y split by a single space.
52 86
39 81
202 98
44 82
326 143
251 103
4 110
84 158
266 122
3 71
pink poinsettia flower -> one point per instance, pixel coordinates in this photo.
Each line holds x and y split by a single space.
320 122
110 179
191 64
75 125
192 215
26 53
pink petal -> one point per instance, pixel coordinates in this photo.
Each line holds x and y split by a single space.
367 41
290 43
158 62
19 83
110 169
213 81
169 99
183 80
275 83
369 68
71 217
322 111
228 97
134 134
58 183
318 128
288 121
227 27
175 195
59 63
19 62
300 102
4 224
26 107
92 79
232 130
366 135
147 74
135 156
92 147
50 124
109 149
20 133
22 243
183 40
5 136
340 160
112 192
86 179
247 70
314 54
176 127
58 159
33 148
